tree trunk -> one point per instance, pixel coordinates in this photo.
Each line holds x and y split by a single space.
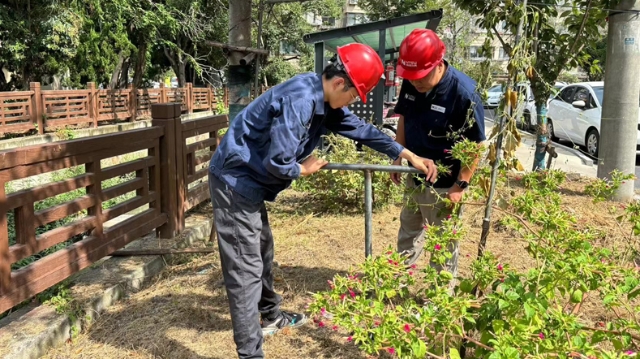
181 72
239 75
141 63
116 71
124 74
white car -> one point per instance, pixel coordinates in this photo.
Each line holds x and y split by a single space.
528 109
574 115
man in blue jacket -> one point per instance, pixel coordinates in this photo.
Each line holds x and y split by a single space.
267 146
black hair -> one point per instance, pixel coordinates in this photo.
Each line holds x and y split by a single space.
334 70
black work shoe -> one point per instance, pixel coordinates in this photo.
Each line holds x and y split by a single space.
283 320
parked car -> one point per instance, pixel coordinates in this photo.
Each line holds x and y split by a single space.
575 115
494 96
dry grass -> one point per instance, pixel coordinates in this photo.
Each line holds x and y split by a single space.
183 315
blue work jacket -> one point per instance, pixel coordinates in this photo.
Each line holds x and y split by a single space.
259 155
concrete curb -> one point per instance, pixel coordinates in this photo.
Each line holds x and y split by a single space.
586 160
60 328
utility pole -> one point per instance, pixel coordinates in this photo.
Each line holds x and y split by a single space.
239 71
619 121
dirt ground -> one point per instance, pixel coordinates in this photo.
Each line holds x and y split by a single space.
182 314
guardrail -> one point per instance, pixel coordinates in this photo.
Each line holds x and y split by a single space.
368 192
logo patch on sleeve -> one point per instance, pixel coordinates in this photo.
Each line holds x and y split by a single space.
409 97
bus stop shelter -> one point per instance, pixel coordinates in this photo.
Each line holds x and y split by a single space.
384 37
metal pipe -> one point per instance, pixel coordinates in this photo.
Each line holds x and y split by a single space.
368 167
368 214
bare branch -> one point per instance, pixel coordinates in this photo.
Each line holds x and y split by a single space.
582 25
506 46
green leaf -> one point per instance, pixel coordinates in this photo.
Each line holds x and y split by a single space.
528 310
577 296
391 293
466 286
578 341
419 349
498 326
512 295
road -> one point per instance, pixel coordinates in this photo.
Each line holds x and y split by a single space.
491 113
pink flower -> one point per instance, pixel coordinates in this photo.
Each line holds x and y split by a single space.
352 293
376 323
425 227
395 263
330 284
315 320
342 296
391 350
413 266
437 247
502 280
468 255
407 328
455 232
447 151
389 252
500 268
390 261
350 339
518 178
321 324
448 216
323 311
541 335
630 352
334 328
410 272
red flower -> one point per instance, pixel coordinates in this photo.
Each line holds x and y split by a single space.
448 216
342 296
321 324
500 268
334 328
389 252
541 335
376 323
410 272
395 263
455 232
502 280
425 227
323 311
350 339
390 261
352 293
413 266
407 328
391 350
437 247
447 151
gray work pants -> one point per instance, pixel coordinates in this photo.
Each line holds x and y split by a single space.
423 206
246 255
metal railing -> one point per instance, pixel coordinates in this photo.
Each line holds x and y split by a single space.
368 192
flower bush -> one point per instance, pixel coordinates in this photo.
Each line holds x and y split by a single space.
496 311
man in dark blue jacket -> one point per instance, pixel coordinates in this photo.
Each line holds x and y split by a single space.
267 146
438 106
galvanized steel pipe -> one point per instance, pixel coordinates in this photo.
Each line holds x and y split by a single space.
368 170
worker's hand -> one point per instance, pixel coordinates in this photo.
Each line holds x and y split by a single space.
311 165
455 194
396 177
426 166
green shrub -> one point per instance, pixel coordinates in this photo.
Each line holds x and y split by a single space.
344 190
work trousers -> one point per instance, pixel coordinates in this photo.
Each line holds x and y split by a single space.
246 255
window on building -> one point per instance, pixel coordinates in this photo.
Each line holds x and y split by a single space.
355 19
328 21
353 2
475 52
503 54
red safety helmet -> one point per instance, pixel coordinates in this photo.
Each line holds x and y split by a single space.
363 65
420 52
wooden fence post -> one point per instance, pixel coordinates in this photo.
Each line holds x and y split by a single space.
210 98
133 110
36 106
189 94
5 266
172 174
163 94
93 102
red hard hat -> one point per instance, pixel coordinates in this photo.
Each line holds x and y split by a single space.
363 65
420 52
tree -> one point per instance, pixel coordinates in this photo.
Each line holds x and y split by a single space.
547 47
597 52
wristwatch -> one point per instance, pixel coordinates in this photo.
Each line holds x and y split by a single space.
462 184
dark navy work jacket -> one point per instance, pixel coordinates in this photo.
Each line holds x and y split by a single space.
429 118
259 155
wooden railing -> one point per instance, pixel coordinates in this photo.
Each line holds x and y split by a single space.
104 206
46 111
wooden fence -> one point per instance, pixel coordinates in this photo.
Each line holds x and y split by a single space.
45 111
152 188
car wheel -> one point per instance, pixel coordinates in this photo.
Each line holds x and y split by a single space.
592 142
551 130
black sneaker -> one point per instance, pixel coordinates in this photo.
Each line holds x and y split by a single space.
283 320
